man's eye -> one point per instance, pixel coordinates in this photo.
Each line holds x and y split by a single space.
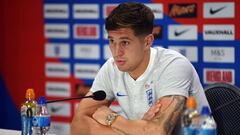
110 41
125 43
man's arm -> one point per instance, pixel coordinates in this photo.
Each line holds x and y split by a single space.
162 124
84 124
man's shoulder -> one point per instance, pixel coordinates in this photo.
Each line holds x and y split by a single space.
110 67
168 53
109 64
169 57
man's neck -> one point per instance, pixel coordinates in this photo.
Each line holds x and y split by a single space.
142 67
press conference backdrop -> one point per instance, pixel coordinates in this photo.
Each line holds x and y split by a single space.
205 31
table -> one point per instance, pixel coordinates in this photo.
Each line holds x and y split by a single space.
9 132
12 132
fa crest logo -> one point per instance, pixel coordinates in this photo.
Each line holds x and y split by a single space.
149 97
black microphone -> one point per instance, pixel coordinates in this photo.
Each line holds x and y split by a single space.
98 95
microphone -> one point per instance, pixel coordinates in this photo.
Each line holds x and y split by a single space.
98 95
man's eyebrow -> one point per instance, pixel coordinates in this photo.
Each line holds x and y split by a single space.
125 38
109 37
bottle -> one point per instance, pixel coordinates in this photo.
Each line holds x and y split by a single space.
190 117
207 125
28 110
41 121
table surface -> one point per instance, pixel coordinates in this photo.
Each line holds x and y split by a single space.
12 132
9 132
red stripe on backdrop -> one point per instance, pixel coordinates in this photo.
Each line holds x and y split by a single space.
22 47
237 15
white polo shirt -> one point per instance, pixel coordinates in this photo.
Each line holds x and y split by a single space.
168 73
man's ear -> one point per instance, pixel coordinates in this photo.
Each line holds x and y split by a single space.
149 40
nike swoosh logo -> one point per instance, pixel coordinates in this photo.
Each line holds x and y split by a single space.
55 109
177 33
121 95
212 11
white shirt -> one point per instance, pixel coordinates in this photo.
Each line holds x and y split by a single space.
168 73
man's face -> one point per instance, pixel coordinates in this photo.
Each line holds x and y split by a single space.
127 49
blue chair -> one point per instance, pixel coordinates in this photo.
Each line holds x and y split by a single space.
224 101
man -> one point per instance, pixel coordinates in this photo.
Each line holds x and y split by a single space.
150 84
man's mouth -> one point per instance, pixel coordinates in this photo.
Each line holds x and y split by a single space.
120 62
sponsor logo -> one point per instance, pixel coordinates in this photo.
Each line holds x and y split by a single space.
86 71
60 70
57 31
57 50
219 10
86 11
182 32
157 32
157 10
190 52
86 31
178 33
58 89
60 128
60 109
149 97
212 11
219 75
108 8
219 54
54 109
86 51
107 52
219 32
120 94
183 10
56 11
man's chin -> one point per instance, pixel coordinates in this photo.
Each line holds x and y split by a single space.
122 69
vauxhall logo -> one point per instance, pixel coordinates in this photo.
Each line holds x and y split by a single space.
55 11
85 11
56 30
219 32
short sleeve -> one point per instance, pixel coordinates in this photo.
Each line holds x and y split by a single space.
176 78
102 81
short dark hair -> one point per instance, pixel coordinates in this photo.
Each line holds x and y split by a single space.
132 15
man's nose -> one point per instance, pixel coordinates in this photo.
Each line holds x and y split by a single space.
118 50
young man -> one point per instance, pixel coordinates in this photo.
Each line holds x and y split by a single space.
150 84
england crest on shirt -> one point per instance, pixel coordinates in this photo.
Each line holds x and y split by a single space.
150 97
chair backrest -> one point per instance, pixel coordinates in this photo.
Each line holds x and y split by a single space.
224 101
